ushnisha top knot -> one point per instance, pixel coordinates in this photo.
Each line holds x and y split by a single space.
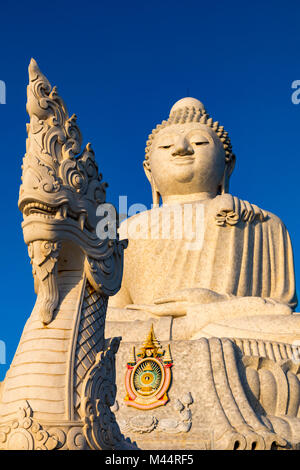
187 103
189 110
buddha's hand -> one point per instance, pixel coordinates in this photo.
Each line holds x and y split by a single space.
194 295
177 304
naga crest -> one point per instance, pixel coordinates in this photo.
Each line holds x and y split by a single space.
60 192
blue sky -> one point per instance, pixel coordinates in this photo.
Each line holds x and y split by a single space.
120 66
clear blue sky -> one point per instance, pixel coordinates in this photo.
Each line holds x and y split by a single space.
120 66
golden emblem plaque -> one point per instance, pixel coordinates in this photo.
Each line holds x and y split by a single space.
148 377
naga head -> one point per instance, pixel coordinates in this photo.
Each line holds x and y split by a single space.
60 192
59 184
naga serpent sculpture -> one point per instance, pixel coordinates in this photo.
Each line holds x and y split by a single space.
60 386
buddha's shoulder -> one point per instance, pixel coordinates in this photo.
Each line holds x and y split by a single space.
142 222
273 218
245 210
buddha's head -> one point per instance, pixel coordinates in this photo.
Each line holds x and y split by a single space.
188 154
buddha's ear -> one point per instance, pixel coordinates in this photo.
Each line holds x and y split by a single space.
147 170
231 164
229 167
155 192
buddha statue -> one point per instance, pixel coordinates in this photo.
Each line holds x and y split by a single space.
216 265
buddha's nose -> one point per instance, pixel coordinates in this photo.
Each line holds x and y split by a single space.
183 147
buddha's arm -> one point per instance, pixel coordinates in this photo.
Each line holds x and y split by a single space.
208 305
230 313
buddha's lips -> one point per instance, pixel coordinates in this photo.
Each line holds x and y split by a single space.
182 159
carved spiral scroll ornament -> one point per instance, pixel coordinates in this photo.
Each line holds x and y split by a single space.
98 396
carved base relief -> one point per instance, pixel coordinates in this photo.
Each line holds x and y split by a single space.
234 400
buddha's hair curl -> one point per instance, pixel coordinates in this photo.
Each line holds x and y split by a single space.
192 114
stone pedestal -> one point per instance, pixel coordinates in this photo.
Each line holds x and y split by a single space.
224 394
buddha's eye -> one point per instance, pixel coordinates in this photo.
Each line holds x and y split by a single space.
203 142
165 146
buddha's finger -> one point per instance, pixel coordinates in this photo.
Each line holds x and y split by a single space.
175 309
172 309
138 307
182 295
176 297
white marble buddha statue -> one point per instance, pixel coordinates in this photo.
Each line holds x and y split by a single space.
217 265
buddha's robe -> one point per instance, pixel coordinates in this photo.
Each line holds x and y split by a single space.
237 249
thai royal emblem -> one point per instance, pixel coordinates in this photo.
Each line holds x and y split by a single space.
148 377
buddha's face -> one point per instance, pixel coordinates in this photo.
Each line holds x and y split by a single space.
186 159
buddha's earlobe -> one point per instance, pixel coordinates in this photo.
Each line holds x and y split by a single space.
155 192
229 167
224 186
